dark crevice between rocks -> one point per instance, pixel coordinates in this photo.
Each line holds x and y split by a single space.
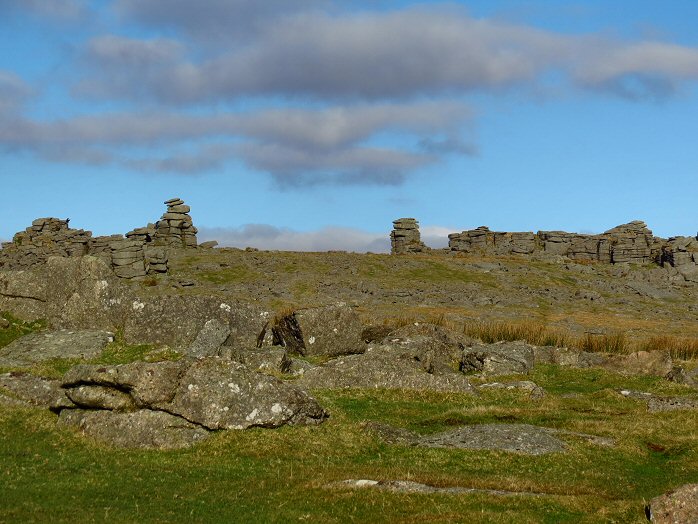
10 295
286 332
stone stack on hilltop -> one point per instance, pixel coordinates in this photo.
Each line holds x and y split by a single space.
46 237
632 242
175 228
405 237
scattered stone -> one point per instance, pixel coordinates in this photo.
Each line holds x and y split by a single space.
4 323
679 506
658 404
208 245
47 345
679 375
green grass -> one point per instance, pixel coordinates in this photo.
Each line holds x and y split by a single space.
17 328
47 473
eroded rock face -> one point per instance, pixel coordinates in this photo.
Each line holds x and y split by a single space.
676 506
47 345
657 363
202 395
405 237
384 366
324 331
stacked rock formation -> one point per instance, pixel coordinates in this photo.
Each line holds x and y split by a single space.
142 252
175 228
46 237
405 237
631 242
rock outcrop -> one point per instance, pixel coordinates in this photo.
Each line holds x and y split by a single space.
175 404
405 237
677 506
143 252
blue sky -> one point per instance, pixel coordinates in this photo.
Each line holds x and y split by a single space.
313 124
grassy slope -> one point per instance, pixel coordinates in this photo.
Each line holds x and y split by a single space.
51 474
280 476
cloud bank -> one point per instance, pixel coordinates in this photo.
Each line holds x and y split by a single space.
308 92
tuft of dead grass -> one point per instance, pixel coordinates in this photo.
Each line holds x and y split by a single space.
679 347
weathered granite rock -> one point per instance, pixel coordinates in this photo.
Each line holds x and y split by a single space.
36 391
4 323
324 331
659 404
409 486
534 390
220 394
503 358
175 228
212 393
47 345
518 438
678 506
405 237
383 366
266 360
176 320
147 383
437 349
210 339
136 429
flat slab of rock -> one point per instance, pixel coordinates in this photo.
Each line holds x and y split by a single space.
209 340
408 486
382 367
518 438
676 506
137 429
47 345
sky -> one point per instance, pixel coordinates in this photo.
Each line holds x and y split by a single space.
313 124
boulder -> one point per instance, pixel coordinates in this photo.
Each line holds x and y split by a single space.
221 394
436 348
502 358
325 331
384 366
677 506
210 339
137 429
47 345
212 393
176 320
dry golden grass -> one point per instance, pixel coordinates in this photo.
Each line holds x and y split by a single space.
679 347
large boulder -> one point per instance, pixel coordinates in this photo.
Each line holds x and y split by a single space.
502 358
48 345
325 331
384 366
210 339
437 349
212 393
676 506
177 320
657 363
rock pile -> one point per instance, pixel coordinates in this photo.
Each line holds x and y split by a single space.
405 237
142 252
175 228
46 237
